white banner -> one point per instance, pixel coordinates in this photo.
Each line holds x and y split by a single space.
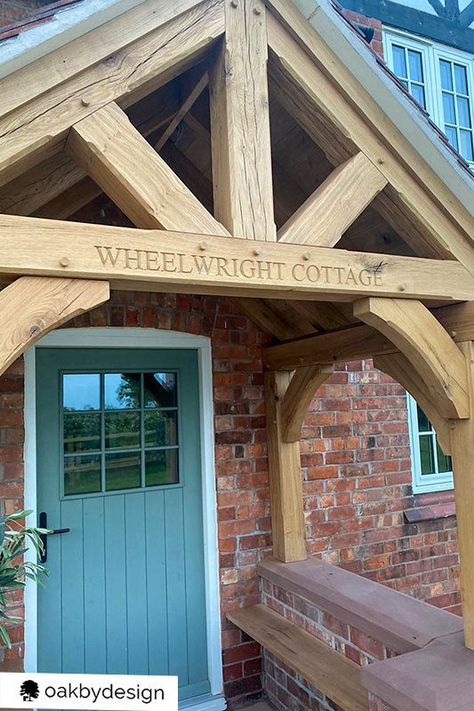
88 691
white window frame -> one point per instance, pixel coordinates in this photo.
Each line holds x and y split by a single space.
431 53
423 482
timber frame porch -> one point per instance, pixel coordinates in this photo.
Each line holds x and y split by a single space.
371 256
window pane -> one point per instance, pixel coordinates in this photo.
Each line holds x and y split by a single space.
424 425
426 454
81 432
416 67
161 428
81 474
448 106
466 147
452 136
399 61
122 391
160 389
122 429
81 391
460 78
122 471
161 467
418 93
444 462
464 114
446 76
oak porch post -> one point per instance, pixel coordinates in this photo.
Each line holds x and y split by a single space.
462 452
286 485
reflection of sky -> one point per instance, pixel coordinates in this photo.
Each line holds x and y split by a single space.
81 391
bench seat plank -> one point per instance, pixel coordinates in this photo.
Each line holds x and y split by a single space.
327 670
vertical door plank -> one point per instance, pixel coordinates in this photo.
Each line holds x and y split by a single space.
175 585
94 587
72 576
136 583
116 602
156 574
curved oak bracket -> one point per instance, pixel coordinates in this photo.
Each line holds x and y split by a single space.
400 369
300 391
429 349
32 306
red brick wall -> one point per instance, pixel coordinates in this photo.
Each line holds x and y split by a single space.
357 485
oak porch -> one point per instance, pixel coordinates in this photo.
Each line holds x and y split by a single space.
310 281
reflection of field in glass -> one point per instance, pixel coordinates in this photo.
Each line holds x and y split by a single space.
122 470
82 475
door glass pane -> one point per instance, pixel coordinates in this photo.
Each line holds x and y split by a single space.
161 428
127 420
81 391
122 429
122 471
426 454
81 432
161 467
82 474
460 78
122 391
446 76
399 62
159 389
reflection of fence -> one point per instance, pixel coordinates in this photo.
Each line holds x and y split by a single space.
159 430
166 437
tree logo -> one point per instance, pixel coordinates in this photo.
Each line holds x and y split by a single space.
29 690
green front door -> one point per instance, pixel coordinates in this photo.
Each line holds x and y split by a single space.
119 464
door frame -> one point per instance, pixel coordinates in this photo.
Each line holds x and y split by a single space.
138 338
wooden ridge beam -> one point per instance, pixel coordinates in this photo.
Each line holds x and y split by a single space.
38 131
312 86
335 205
134 176
240 125
286 481
301 390
361 341
30 307
400 369
219 265
428 347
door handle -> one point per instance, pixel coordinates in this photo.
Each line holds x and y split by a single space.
43 523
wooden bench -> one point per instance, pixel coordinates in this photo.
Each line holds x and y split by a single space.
329 671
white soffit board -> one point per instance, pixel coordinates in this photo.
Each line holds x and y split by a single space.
358 58
66 25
